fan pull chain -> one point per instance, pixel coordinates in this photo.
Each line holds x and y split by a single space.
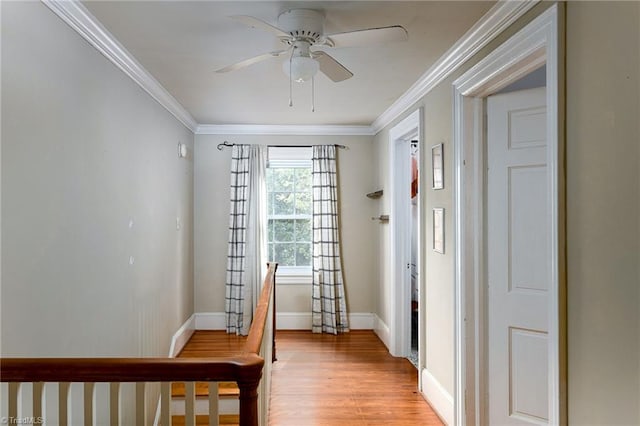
313 94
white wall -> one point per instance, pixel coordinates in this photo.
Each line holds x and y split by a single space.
436 279
358 231
603 212
84 151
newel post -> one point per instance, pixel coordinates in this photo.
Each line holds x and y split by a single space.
249 402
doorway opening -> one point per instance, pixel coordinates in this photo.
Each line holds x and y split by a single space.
406 240
483 197
414 156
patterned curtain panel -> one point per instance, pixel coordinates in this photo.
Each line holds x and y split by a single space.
246 256
329 310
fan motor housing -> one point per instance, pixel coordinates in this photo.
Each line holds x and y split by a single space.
302 24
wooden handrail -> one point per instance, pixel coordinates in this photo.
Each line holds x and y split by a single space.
256 331
129 369
244 368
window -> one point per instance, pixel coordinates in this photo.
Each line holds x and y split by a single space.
289 210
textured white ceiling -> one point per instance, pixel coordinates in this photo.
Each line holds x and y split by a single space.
181 43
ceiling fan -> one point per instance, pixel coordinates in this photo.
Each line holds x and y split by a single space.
303 29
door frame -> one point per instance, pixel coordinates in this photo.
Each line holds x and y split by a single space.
538 43
400 236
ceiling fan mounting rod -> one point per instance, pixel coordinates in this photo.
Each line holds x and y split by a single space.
302 25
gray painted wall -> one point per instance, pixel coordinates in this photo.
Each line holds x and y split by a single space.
84 151
603 212
357 230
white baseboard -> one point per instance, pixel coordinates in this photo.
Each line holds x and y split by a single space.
441 400
284 321
210 321
362 321
182 336
302 321
382 330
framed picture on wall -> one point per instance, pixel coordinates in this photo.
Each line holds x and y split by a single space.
438 230
437 166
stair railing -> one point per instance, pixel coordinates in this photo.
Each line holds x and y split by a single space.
246 369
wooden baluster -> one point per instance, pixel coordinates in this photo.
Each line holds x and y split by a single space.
248 402
189 403
273 318
14 393
165 403
38 389
88 403
114 403
214 416
63 403
141 404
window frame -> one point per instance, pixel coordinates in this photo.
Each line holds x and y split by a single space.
290 158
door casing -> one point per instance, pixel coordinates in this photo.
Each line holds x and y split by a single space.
540 42
400 238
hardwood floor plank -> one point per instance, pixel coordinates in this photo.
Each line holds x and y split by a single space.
207 343
349 379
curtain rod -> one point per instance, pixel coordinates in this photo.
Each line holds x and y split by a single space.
226 143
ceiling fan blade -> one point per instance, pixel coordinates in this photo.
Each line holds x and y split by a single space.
251 61
332 68
371 36
260 24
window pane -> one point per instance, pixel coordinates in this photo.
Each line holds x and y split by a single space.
289 193
283 230
303 254
303 179
285 254
270 257
303 203
270 179
303 230
282 179
283 203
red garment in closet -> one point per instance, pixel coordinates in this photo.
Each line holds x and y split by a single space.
414 177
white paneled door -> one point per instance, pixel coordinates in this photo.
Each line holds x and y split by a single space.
518 259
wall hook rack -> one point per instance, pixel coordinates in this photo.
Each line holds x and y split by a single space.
375 195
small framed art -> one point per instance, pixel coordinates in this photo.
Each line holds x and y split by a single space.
437 166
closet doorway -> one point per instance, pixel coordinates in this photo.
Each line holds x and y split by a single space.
406 240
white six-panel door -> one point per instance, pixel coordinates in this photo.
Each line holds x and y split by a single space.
518 259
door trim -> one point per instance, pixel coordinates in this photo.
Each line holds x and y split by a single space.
540 42
400 284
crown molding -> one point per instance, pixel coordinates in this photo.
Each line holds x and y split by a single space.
269 129
85 24
496 20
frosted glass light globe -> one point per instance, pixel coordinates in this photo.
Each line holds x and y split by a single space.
302 68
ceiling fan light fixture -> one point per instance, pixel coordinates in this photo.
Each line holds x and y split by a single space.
301 68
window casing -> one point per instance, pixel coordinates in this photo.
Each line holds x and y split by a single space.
289 215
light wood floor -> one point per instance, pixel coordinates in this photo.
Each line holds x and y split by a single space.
350 379
208 343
